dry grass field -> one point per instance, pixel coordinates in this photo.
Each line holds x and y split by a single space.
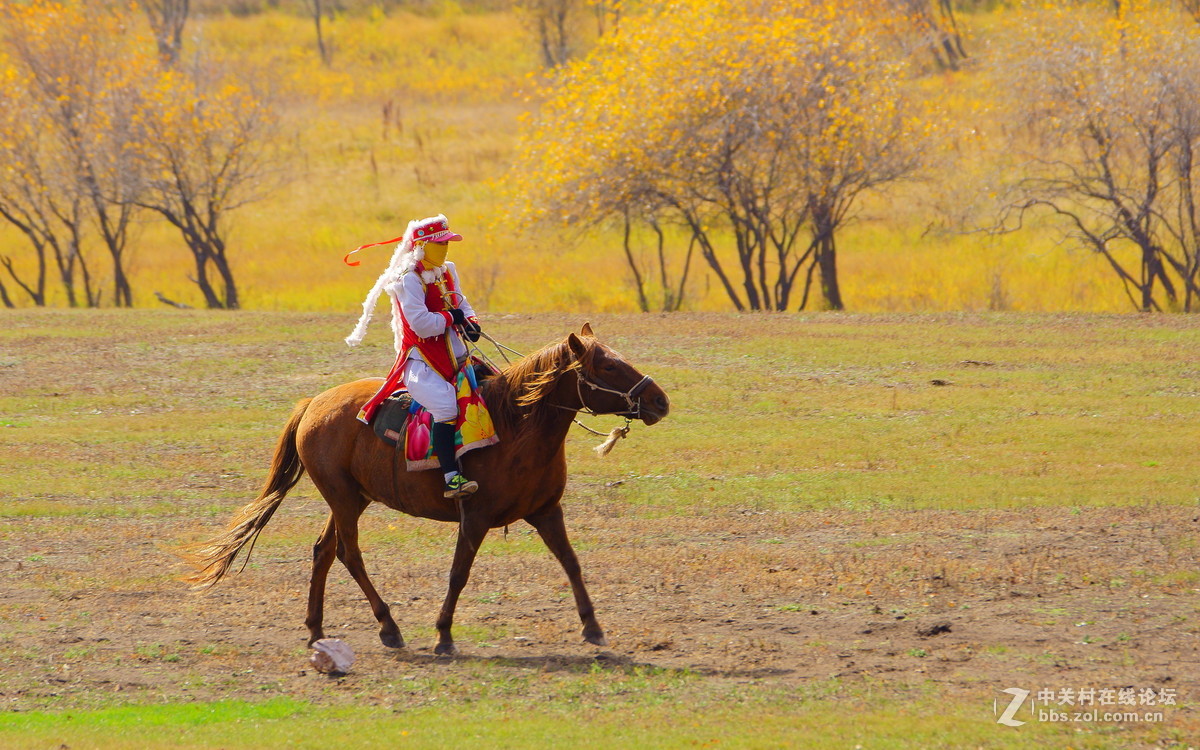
851 531
390 132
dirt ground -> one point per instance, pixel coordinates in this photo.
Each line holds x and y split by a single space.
977 603
723 601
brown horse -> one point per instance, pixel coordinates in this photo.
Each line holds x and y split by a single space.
523 476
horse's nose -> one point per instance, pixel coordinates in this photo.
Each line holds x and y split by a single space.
662 403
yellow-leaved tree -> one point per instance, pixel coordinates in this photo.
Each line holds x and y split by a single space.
40 198
75 70
208 147
754 126
97 124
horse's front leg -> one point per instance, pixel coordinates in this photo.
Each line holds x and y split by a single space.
553 530
471 532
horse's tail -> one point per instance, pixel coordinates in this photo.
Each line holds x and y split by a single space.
213 559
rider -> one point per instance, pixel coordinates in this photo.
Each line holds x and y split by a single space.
430 317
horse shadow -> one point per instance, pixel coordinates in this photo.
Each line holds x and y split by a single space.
606 661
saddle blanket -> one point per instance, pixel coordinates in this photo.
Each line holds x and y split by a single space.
400 417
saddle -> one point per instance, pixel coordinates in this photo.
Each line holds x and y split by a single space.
391 417
402 422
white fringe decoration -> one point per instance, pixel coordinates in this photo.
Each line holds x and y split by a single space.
606 447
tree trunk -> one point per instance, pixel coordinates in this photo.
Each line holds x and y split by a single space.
544 38
92 296
167 20
676 299
1152 269
37 292
643 303
746 258
560 29
823 225
68 281
66 270
710 256
122 292
671 300
231 293
827 261
326 57
211 301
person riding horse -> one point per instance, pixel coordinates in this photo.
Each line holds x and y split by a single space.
430 317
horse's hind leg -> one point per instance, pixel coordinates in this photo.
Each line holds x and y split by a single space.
347 504
553 530
323 554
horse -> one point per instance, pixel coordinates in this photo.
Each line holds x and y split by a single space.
522 477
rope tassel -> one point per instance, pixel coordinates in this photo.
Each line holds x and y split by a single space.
606 447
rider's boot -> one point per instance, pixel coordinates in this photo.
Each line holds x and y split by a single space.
442 437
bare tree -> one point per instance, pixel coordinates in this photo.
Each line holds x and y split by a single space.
99 130
560 28
167 19
934 25
670 292
1116 114
49 212
24 194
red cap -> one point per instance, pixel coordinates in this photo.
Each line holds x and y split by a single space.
436 229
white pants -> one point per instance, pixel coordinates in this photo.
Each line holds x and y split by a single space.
431 390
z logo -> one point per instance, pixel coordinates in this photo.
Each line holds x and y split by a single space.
1006 718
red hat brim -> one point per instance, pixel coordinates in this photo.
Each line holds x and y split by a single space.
446 236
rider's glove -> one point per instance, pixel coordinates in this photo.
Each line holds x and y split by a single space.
472 330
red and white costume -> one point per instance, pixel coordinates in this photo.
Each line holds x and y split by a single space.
429 350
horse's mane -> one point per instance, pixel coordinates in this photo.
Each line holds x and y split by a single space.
516 398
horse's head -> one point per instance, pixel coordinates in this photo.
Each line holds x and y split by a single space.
610 385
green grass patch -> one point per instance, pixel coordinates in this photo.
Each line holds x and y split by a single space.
794 413
843 720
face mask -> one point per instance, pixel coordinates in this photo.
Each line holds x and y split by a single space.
435 254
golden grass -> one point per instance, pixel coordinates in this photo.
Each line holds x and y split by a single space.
455 84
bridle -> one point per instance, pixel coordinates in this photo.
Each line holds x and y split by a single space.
632 402
635 406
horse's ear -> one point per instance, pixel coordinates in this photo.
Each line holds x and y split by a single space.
577 346
587 330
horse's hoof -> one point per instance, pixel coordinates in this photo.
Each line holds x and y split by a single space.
596 639
392 640
445 649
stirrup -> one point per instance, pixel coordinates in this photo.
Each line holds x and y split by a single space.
458 486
